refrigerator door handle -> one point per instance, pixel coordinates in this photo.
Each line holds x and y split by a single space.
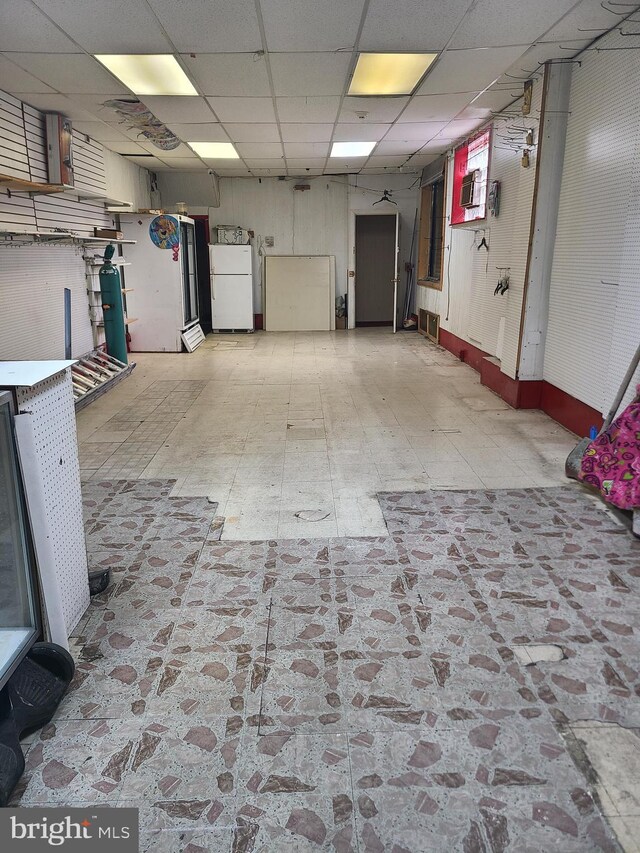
213 286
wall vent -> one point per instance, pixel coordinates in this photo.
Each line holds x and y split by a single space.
429 325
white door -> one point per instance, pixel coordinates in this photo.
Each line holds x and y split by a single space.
231 302
230 260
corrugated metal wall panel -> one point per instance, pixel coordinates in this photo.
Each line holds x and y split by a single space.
32 282
594 309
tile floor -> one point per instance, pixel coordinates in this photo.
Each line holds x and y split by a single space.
354 692
269 425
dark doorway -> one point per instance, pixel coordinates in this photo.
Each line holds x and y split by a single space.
375 269
204 282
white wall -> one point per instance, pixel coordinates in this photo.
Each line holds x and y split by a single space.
310 222
594 308
126 181
470 275
33 278
318 221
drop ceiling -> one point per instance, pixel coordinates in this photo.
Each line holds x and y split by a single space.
272 75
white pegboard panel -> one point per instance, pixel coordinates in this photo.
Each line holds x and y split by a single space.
594 309
32 282
52 410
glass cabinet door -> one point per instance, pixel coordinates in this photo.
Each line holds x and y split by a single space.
18 620
189 272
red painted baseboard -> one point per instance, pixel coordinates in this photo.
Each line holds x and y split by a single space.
465 351
539 394
571 413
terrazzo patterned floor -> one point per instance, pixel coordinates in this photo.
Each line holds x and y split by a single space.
350 694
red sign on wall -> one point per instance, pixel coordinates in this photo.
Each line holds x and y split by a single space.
470 179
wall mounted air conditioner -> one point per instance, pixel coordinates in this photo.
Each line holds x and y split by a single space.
469 191
59 149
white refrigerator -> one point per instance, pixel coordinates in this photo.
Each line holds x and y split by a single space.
161 283
231 287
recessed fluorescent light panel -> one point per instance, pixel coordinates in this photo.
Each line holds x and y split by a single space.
389 73
352 149
215 150
149 74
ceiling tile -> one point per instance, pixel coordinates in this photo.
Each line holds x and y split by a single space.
377 109
309 25
491 24
126 146
98 27
346 162
182 109
306 149
306 132
474 113
387 160
421 160
181 151
435 107
243 109
420 130
16 80
589 14
528 63
187 163
209 132
253 132
405 147
24 27
58 104
259 150
200 25
268 173
304 172
462 127
226 171
276 163
228 74
468 70
309 73
412 25
317 109
360 132
494 100
69 72
100 131
148 162
309 163
96 104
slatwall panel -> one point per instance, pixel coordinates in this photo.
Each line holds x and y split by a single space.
594 309
32 282
508 239
36 136
475 314
88 164
14 160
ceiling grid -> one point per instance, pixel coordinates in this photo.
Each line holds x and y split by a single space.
272 77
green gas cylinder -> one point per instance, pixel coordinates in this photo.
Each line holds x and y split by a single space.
113 312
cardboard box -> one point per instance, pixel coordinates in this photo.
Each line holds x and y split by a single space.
108 233
341 322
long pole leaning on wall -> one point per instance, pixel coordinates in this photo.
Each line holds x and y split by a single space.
67 323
